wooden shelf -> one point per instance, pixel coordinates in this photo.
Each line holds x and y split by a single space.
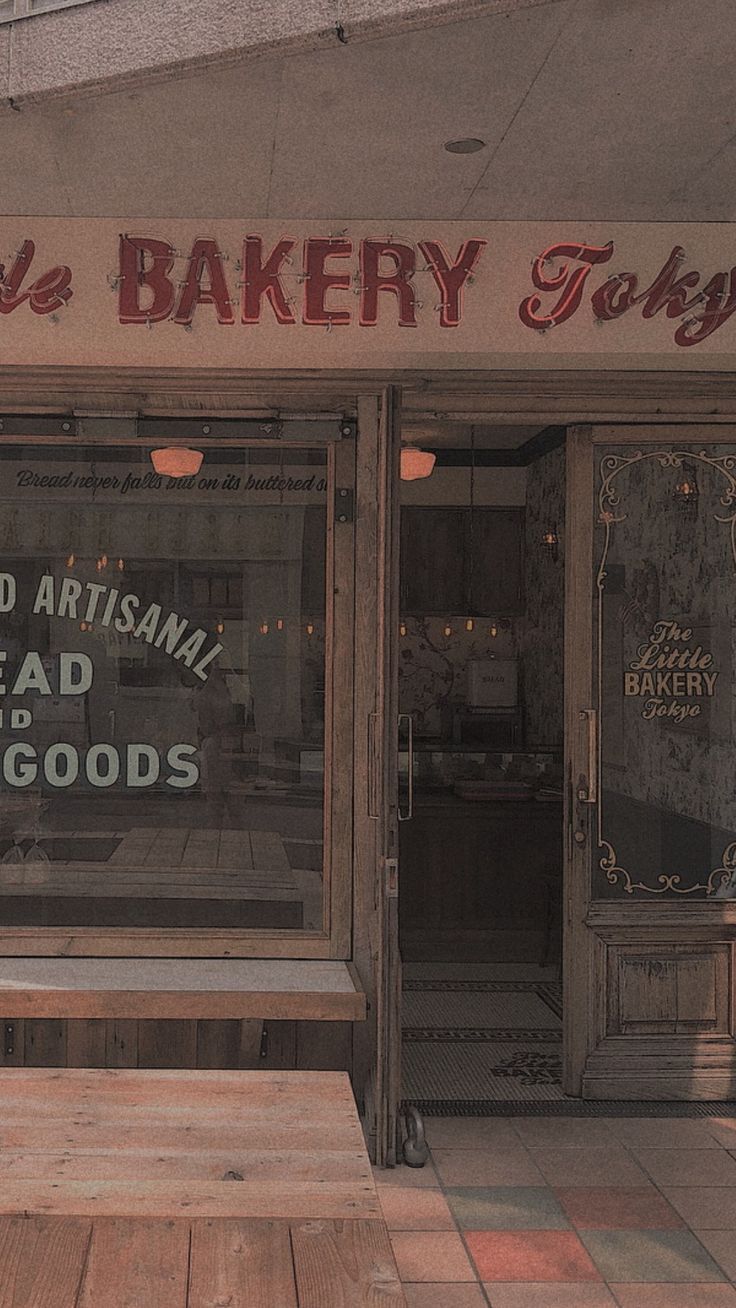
267 988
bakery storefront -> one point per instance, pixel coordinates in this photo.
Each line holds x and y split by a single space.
205 754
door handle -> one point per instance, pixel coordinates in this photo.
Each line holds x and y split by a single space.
587 790
406 816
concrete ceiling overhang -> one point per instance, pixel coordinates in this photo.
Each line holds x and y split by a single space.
590 109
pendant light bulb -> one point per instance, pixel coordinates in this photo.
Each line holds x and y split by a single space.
448 629
402 628
264 628
71 561
279 624
310 628
469 624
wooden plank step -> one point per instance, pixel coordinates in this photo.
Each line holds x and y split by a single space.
278 989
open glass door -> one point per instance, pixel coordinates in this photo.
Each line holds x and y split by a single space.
651 810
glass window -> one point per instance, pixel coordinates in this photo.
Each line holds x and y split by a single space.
162 672
665 605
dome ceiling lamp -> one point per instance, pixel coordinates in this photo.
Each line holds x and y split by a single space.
416 464
177 461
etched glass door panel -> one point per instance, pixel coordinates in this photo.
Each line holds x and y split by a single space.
162 683
665 613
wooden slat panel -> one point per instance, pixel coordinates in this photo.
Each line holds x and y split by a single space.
218 1044
12 1042
282 1198
241 1264
121 1043
45 1043
136 1263
167 1044
324 1046
354 1256
249 1052
86 1043
42 1261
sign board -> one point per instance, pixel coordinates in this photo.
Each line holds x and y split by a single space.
176 293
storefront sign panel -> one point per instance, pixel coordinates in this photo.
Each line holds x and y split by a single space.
169 293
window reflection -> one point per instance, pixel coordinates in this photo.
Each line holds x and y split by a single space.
163 675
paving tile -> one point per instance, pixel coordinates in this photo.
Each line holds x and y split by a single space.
688 1166
707 1207
722 1246
650 1256
543 1294
572 1131
620 1208
723 1130
409 1208
539 1255
502 1166
662 1132
507 1208
469 1132
667 1295
414 1176
611 1164
442 1295
431 1256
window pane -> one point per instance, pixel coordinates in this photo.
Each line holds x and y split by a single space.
163 689
665 605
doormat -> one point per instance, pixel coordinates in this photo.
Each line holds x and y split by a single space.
470 1042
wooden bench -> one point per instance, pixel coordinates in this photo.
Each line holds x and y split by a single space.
181 1189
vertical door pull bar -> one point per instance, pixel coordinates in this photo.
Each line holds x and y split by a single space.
588 788
408 719
373 768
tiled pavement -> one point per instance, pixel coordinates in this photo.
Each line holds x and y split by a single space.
535 1212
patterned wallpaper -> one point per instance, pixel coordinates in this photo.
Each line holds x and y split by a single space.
433 667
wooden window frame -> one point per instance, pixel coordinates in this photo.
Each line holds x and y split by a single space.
333 941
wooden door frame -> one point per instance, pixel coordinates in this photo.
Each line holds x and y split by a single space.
333 940
376 1042
593 928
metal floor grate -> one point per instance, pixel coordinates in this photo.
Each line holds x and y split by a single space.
570 1108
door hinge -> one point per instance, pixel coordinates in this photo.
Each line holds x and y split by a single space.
344 504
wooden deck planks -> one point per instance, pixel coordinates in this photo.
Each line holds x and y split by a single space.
281 1198
345 1263
241 1264
136 1264
42 1261
160 1189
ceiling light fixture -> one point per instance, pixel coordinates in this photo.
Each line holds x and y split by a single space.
177 461
465 145
416 464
